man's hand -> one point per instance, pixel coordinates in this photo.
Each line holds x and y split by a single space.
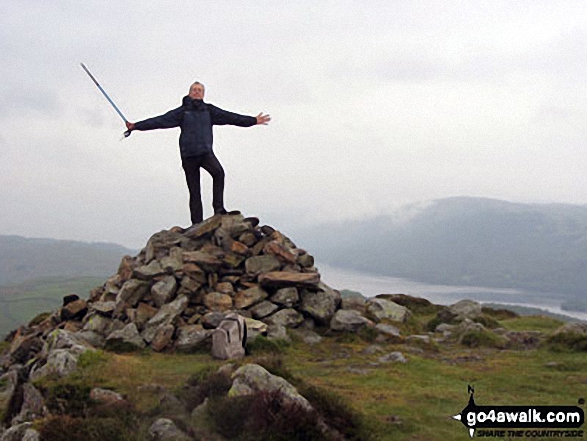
130 126
263 119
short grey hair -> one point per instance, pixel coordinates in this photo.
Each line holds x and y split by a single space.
197 82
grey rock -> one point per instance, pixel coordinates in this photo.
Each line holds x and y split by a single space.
169 312
252 378
211 320
60 363
255 328
387 330
290 318
277 332
132 292
190 337
105 396
33 405
16 433
320 305
261 264
164 291
356 303
101 325
218 302
379 309
104 308
126 337
148 272
393 357
165 430
249 297
174 262
287 297
263 309
348 320
466 309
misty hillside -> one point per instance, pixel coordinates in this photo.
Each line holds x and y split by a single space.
24 259
463 240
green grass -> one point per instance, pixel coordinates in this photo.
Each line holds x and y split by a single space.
412 401
532 323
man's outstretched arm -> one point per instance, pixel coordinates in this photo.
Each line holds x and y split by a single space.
166 121
222 117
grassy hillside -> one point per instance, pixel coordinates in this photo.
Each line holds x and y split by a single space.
24 259
21 302
396 402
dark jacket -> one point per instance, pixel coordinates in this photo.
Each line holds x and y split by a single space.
195 118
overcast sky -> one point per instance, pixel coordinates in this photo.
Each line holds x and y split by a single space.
375 104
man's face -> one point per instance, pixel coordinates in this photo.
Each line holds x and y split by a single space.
196 92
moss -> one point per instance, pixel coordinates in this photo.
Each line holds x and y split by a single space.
68 399
487 321
475 339
567 341
262 344
91 358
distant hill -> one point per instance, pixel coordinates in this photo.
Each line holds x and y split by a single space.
24 259
35 274
465 241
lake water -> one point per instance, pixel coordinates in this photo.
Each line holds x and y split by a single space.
371 285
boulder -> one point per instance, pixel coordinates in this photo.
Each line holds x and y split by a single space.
60 363
164 291
150 271
379 309
212 319
255 328
248 297
387 330
320 305
252 378
190 337
261 264
125 339
466 309
74 310
165 430
105 396
287 297
104 308
162 337
17 433
263 309
218 302
348 320
280 279
290 318
33 405
101 325
132 291
393 357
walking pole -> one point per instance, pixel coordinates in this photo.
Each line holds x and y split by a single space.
127 133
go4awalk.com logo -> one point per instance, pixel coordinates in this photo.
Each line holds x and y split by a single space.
521 421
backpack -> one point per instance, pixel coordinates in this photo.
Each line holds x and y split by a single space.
230 337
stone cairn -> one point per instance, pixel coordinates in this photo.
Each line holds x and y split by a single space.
172 296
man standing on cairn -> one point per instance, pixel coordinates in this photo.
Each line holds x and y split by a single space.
195 118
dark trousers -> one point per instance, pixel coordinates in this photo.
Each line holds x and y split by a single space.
191 167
